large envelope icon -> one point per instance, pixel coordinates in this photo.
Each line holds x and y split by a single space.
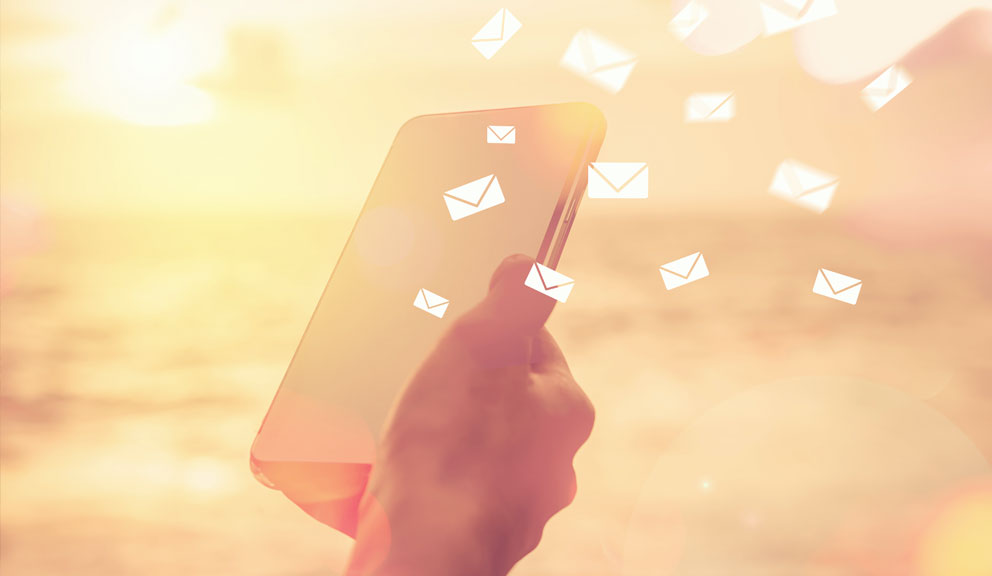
496 33
688 19
783 15
599 60
501 134
803 185
886 87
684 270
431 303
837 286
618 180
474 197
710 107
548 282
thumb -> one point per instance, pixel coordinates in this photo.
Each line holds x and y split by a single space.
501 328
511 308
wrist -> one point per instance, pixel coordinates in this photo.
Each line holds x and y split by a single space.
445 533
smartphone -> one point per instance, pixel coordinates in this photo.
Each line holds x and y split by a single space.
456 194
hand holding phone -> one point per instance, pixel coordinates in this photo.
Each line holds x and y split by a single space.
476 455
449 204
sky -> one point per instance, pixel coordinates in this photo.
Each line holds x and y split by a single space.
117 107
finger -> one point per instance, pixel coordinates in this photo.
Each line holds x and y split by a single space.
570 407
584 416
569 412
546 356
512 308
499 330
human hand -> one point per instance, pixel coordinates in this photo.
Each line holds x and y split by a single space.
477 453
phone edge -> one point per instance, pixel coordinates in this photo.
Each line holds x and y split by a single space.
553 245
558 230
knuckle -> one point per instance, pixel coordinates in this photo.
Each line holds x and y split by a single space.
560 493
568 488
531 539
463 328
466 334
584 414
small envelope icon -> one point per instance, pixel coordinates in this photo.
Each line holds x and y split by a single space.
501 135
783 15
431 303
837 286
618 180
496 33
886 87
710 107
688 19
548 282
599 60
684 270
800 184
474 197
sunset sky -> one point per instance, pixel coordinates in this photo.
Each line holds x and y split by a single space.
230 106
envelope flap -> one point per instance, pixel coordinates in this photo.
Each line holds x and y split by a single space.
432 299
799 8
599 53
683 266
501 132
838 282
618 174
803 179
473 192
691 13
793 9
551 279
885 83
778 18
889 81
493 30
709 102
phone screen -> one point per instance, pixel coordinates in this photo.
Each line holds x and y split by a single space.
456 194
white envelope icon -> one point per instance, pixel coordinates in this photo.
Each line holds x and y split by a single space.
886 87
710 107
548 282
837 286
474 197
496 33
431 303
618 180
599 60
803 185
688 19
501 135
783 15
684 270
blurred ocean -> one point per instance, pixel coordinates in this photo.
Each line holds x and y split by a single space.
139 356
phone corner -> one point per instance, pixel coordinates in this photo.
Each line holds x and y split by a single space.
592 113
257 469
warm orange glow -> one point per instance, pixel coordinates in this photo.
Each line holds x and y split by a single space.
178 178
957 542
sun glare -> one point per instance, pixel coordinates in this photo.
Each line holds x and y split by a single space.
146 76
958 540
